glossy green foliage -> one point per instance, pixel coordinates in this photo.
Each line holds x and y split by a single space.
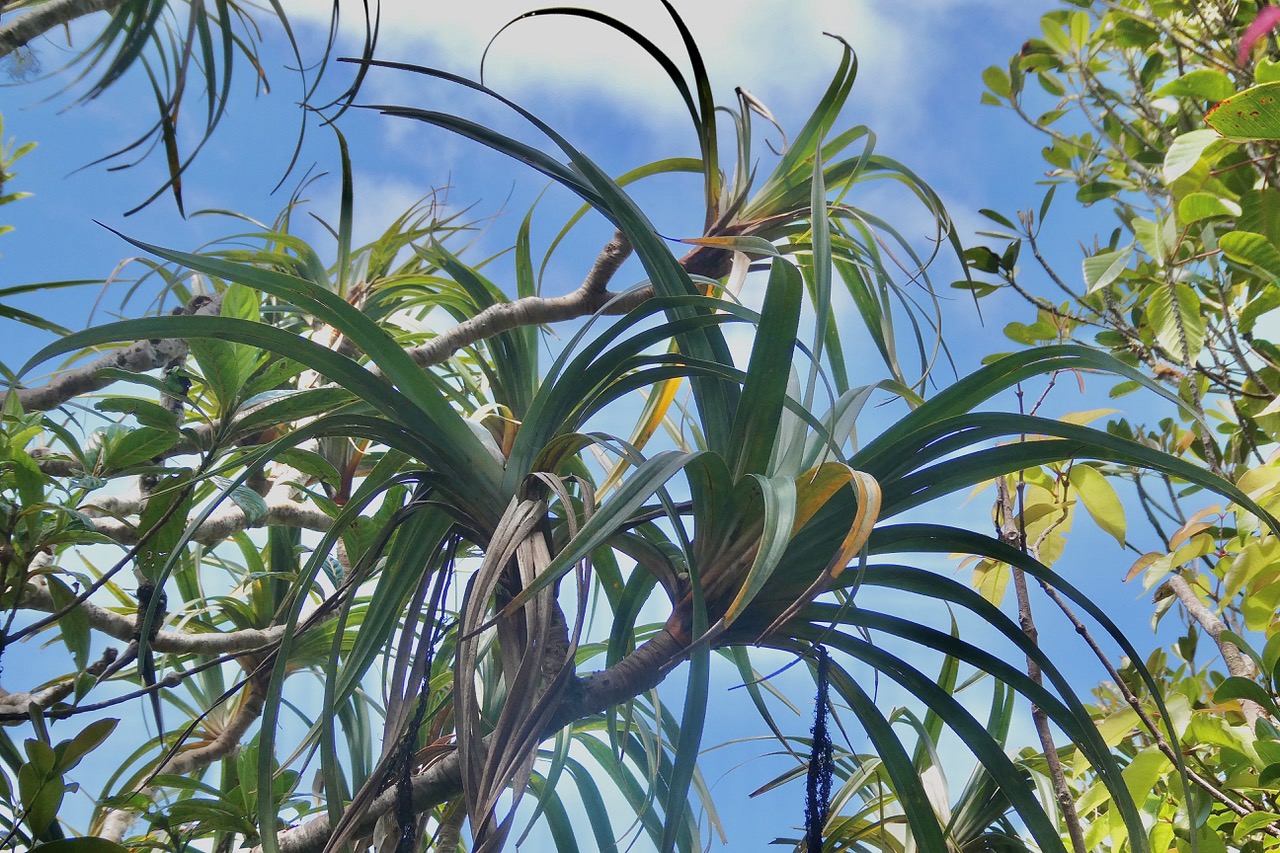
1163 113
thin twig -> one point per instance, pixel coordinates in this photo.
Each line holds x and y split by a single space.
1157 734
1013 532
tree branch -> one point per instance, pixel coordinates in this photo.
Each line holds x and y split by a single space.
1237 663
1162 743
1013 530
17 707
188 762
229 521
639 671
590 297
122 627
139 358
20 31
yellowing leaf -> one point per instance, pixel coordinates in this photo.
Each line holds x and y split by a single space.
746 244
1116 727
990 580
1186 531
655 410
1255 558
807 500
1258 482
1086 417
815 487
1199 545
1100 499
1140 565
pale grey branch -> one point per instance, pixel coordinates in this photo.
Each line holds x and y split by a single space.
20 30
189 762
123 626
139 358
1237 663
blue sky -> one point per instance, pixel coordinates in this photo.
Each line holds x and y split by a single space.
918 89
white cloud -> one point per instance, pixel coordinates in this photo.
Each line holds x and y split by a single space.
773 49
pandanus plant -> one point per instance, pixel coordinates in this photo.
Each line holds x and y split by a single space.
757 527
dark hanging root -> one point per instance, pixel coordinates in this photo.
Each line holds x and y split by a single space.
821 765
407 819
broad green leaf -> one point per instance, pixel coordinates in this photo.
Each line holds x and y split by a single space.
1103 268
1079 28
89 739
1195 207
146 412
41 798
1146 768
255 509
1254 822
1266 70
1260 213
1157 237
163 519
1097 191
1202 84
1100 499
1118 725
1253 114
226 366
74 624
1237 687
1179 328
1253 249
138 446
997 80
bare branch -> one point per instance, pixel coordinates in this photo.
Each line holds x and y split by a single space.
23 29
1013 530
17 707
229 521
122 627
188 762
1237 663
591 297
139 358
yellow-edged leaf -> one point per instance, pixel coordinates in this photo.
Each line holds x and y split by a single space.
655 409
